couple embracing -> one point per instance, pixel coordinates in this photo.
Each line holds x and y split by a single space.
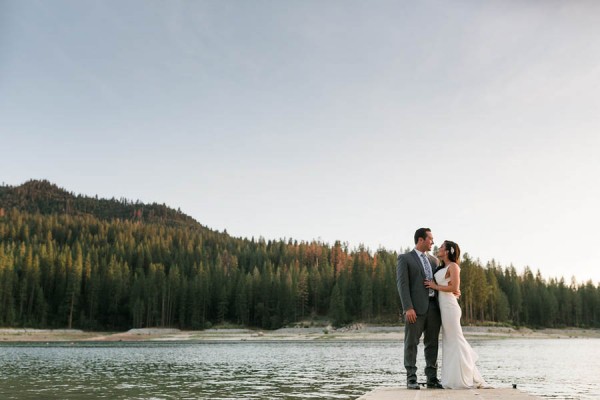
428 291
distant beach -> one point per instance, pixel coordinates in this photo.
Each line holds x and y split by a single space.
352 332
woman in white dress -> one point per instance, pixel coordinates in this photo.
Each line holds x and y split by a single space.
458 358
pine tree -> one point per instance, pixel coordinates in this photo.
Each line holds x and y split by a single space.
337 309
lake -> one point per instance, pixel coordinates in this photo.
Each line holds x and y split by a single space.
551 368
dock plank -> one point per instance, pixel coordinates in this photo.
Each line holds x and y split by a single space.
401 393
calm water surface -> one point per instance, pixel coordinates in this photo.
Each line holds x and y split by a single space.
551 368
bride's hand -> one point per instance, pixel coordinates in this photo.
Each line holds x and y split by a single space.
430 284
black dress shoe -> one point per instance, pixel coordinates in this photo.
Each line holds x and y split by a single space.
434 384
413 385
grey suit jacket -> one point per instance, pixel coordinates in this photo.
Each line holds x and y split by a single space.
409 280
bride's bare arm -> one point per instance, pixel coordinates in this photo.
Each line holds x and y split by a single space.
453 284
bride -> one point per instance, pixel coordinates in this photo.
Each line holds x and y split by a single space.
458 358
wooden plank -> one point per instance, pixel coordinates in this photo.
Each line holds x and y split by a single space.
401 393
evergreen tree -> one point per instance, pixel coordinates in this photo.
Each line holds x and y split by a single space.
337 308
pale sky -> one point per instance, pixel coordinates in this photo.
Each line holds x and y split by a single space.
332 120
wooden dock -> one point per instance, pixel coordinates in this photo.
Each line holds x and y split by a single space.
402 393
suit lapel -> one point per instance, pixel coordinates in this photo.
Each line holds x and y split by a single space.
419 263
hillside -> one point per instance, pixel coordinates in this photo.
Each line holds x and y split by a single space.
80 262
41 196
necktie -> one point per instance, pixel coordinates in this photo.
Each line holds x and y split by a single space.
428 272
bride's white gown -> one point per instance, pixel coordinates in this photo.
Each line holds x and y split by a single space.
458 358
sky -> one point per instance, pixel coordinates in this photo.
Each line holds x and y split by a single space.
327 120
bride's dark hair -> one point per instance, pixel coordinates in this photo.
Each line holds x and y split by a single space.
453 251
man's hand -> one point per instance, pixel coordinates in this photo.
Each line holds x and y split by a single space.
411 316
456 293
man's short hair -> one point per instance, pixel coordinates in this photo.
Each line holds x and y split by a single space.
421 233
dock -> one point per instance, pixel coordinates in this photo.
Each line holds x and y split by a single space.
402 393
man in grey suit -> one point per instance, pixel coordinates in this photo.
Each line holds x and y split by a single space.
420 307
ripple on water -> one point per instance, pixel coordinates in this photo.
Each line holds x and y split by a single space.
551 368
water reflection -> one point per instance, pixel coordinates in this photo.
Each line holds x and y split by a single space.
564 369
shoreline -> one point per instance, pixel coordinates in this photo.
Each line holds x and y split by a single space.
353 332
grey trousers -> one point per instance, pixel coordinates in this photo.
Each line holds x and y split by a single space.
430 324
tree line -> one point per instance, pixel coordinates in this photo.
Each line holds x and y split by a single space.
81 271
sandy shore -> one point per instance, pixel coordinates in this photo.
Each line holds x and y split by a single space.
354 332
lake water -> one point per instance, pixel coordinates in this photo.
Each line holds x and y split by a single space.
551 368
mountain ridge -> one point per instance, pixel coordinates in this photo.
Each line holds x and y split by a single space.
44 197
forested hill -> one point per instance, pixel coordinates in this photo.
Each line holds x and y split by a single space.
41 196
82 262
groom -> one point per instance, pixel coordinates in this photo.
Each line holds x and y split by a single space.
421 309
